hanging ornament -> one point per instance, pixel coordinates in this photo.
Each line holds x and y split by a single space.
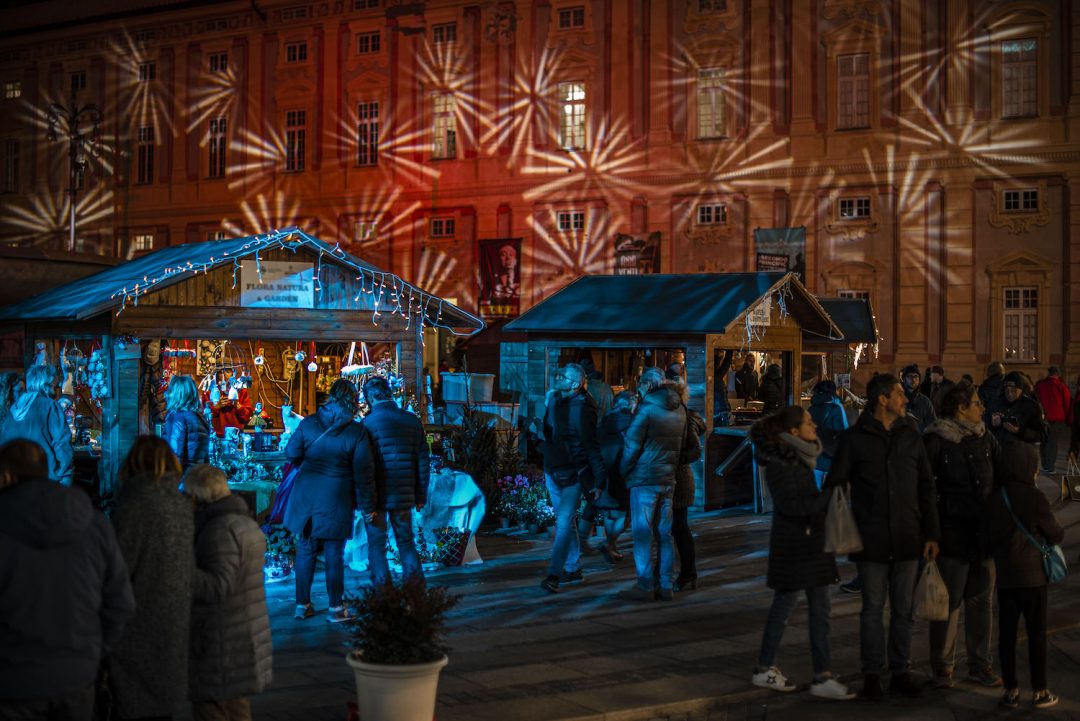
314 364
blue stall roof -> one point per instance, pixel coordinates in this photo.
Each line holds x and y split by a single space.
696 303
855 316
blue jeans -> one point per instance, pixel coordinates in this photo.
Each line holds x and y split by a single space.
401 522
334 555
819 607
566 553
897 580
650 517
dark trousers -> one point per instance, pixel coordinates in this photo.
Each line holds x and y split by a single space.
334 556
1031 604
75 705
684 543
400 520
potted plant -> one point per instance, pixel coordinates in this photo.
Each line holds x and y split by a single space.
399 648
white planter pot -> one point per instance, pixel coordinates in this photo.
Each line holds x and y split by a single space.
388 692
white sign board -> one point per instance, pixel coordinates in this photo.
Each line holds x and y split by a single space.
284 284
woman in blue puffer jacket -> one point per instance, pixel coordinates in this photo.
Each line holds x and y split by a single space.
186 430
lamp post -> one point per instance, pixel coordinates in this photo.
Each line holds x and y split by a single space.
70 120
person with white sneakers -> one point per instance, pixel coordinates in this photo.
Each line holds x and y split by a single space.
787 447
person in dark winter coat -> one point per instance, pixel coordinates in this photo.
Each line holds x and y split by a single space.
721 404
1056 400
962 456
992 392
37 417
1022 419
883 459
186 429
155 527
919 407
651 457
787 448
772 392
1021 581
746 381
935 387
596 386
683 496
65 596
612 438
831 420
231 652
335 476
400 453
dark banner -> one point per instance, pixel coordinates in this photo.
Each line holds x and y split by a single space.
500 277
781 249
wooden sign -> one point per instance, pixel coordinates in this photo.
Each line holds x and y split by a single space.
277 284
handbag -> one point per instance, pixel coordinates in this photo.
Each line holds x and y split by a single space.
1053 559
931 600
841 532
565 477
284 489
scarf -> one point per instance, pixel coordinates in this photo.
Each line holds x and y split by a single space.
808 450
955 429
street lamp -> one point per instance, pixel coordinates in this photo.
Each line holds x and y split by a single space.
71 119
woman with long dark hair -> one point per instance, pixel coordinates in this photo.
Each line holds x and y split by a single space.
787 449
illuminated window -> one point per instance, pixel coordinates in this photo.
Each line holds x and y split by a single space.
444 129
143 241
854 294
219 62
147 72
442 228
367 133
218 144
445 34
144 165
11 166
78 81
296 52
854 208
710 97
1019 77
570 18
295 139
365 4
571 115
1025 200
367 43
1021 323
570 221
13 89
368 230
712 214
216 235
853 91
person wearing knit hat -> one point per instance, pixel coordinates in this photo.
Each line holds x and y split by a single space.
1022 420
919 407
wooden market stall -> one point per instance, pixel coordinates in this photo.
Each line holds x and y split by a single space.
308 301
842 356
704 321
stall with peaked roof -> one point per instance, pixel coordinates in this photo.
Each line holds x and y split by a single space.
699 320
839 358
281 286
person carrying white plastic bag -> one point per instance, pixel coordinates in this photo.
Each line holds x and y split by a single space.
931 595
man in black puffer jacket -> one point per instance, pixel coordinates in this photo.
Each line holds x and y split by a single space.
399 447
1022 419
884 460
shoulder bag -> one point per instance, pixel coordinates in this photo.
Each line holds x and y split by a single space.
1054 565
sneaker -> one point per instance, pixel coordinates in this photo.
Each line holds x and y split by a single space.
338 614
984 676
1010 699
665 594
304 610
943 679
871 689
1042 699
550 584
852 586
831 689
773 679
903 684
572 576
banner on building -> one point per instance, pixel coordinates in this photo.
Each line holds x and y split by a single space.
781 250
500 277
637 254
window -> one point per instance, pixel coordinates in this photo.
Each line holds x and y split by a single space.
855 294
13 89
294 13
217 143
712 214
219 62
144 167
444 34
11 166
1025 200
145 36
295 139
444 144
706 6
216 235
1019 77
143 241
78 81
296 52
367 43
571 115
368 230
710 98
365 4
442 228
570 18
854 208
1021 323
570 221
147 72
853 91
367 133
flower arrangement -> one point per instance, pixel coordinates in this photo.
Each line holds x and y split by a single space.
524 498
280 552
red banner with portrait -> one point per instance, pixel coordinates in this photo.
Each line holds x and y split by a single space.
500 277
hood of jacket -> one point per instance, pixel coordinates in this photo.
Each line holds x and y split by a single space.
955 431
22 406
666 396
773 372
229 505
993 382
823 399
333 416
45 515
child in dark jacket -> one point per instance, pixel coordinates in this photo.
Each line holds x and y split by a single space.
1020 577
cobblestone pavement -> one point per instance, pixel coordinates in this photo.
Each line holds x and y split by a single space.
521 654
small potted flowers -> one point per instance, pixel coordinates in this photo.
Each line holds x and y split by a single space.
509 501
